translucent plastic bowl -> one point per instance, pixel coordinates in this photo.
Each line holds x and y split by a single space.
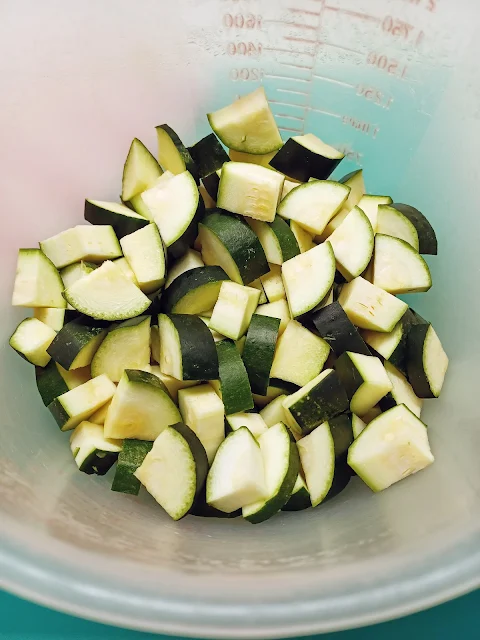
79 80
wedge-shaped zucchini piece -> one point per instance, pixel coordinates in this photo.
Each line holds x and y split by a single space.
83 242
304 238
355 181
273 412
277 239
300 498
100 415
313 205
173 385
140 170
259 350
318 401
230 243
305 157
194 291
427 240
370 307
299 356
92 451
130 458
369 205
50 383
392 346
352 243
272 284
234 309
141 408
234 385
145 254
77 342
50 316
173 155
317 456
208 155
398 268
203 411
390 448
308 278
179 194
358 425
236 477
334 326
288 186
392 222
31 340
401 393
278 309
37 281
78 270
250 190
253 421
247 125
364 379
138 203
190 260
80 403
174 471
107 294
120 217
427 361
187 348
281 463
125 347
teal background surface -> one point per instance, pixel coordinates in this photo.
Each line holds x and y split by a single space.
459 619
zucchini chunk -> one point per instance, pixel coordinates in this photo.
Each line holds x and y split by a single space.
92 451
305 157
203 411
37 281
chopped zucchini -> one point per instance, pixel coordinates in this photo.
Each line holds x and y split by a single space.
288 186
122 219
317 456
401 393
208 155
299 356
77 342
173 155
278 309
272 283
190 260
140 171
233 310
398 268
281 465
78 404
392 222
247 125
364 379
358 425
318 401
100 416
253 421
230 243
173 385
174 471
300 498
50 316
352 243
203 411
305 157
390 448
304 238
250 190
369 307
194 291
369 205
144 252
130 458
277 239
107 294
83 242
37 281
31 340
236 477
259 350
234 384
308 278
427 361
78 270
427 239
92 451
273 412
334 326
355 181
125 347
254 158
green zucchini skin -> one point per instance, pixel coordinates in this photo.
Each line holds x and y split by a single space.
189 281
342 434
122 225
341 477
334 326
298 501
415 366
99 465
199 356
187 240
50 383
235 386
182 150
198 452
208 155
287 241
129 459
259 350
73 337
297 162
427 238
240 241
322 403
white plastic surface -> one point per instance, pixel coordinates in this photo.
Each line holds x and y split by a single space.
79 80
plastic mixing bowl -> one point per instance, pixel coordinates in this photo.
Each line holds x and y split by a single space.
396 84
